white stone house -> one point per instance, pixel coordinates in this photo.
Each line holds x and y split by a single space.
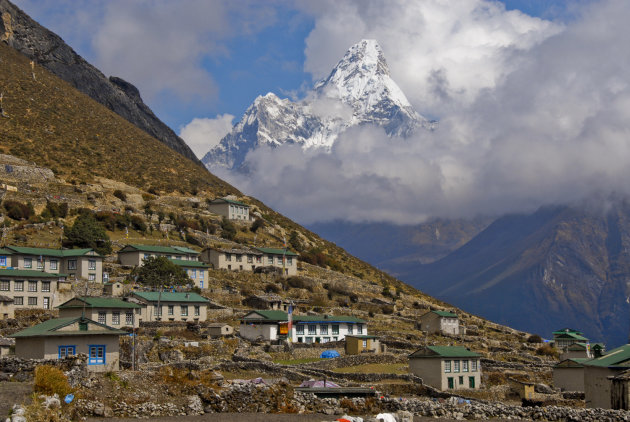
447 367
274 325
171 306
232 259
110 311
31 289
230 209
442 322
134 255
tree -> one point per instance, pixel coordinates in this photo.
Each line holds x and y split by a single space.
160 272
87 232
258 223
228 230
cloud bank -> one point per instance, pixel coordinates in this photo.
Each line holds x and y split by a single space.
553 129
202 134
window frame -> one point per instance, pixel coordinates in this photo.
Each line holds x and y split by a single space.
32 283
72 264
28 262
5 285
182 309
66 349
46 286
96 360
18 285
115 317
32 299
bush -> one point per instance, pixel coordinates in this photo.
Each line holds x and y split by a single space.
18 211
298 282
50 380
137 223
258 223
547 350
228 230
120 195
272 288
534 338
87 232
55 210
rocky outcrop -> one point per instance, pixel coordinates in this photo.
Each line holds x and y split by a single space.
47 49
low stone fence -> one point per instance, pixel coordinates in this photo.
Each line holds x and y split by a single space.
490 364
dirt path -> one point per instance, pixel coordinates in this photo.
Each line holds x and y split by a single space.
13 393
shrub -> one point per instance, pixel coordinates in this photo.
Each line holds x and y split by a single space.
18 211
50 380
258 223
294 241
137 223
153 191
547 350
272 288
120 195
228 230
298 282
534 338
192 239
87 232
55 210
147 197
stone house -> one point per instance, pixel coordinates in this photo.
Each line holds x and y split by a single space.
568 375
5 346
597 373
173 306
439 322
280 258
84 264
31 289
620 391
447 367
109 311
355 345
567 337
115 288
196 270
230 209
133 255
218 329
232 259
274 325
576 351
61 337
7 310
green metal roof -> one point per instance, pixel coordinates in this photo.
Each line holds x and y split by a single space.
158 249
190 297
572 336
283 316
50 252
567 330
187 263
444 352
185 249
445 314
361 337
97 302
277 251
30 274
229 201
616 357
4 251
50 328
572 363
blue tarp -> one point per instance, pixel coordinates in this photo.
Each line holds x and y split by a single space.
330 354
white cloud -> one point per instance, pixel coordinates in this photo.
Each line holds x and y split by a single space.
555 129
202 134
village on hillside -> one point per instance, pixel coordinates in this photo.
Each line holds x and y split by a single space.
165 327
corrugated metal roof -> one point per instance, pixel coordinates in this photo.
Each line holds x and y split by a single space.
444 352
189 297
445 314
229 201
30 274
158 249
616 357
187 263
277 251
97 302
51 252
51 327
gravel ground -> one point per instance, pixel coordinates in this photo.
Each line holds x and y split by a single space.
253 417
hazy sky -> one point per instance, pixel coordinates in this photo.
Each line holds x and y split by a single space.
533 97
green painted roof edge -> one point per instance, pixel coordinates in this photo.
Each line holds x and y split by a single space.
172 297
29 273
186 263
49 328
100 302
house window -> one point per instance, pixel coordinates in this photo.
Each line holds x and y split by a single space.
312 329
239 258
197 310
473 366
447 366
359 328
350 328
323 329
129 318
18 286
40 264
5 285
464 366
54 264
45 286
72 264
115 318
46 303
28 262
18 300
365 344
228 257
455 366
157 310
270 260
91 264
289 261
3 261
461 380
201 276
97 355
32 301
184 310
194 273
299 329
102 317
171 309
308 339
250 259
259 259
91 277
32 286
65 351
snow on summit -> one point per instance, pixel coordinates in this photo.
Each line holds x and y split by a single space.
359 90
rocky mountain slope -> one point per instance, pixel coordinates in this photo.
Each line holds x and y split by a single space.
359 90
560 266
47 49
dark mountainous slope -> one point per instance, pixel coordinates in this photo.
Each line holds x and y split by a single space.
561 266
21 32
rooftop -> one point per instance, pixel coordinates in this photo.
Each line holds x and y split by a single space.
187 263
281 316
30 274
277 251
97 302
229 201
445 314
175 250
52 327
189 297
444 352
619 357
51 252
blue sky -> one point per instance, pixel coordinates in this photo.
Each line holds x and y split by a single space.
258 47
